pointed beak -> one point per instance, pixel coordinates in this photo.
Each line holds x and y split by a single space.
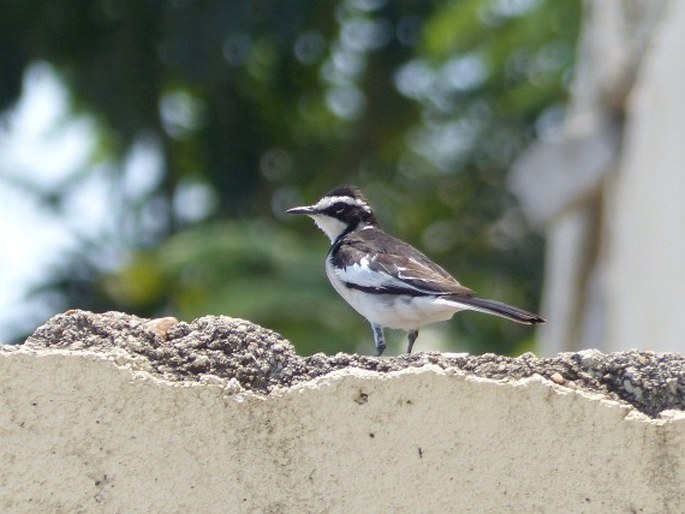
308 209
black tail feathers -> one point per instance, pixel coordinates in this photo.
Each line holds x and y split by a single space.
498 309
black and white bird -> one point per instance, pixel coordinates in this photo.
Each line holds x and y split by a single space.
386 280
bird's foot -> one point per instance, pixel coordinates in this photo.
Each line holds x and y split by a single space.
378 339
411 338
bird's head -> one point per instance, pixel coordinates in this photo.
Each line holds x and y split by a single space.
343 209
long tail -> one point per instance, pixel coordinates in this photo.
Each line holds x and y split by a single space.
498 309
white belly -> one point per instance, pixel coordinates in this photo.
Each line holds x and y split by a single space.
392 311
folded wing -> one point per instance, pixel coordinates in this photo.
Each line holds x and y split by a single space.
379 263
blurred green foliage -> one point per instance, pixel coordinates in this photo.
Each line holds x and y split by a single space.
257 106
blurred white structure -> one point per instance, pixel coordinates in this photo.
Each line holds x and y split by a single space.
609 187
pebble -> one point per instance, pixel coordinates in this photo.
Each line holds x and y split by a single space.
557 378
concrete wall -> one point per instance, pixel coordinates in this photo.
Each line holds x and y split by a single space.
87 430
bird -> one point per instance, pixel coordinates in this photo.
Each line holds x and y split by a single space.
386 280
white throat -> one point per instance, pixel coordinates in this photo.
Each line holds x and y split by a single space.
330 226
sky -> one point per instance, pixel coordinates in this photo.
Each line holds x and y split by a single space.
45 147
42 146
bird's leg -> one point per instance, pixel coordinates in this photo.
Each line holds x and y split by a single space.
378 338
411 337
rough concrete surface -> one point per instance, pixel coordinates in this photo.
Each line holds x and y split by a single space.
114 413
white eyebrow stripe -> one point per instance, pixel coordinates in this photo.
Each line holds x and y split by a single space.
329 201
